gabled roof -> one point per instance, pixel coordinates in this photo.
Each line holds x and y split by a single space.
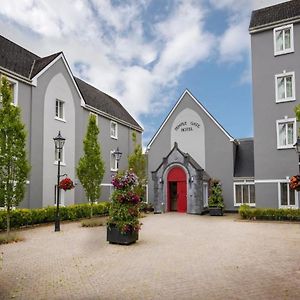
286 11
30 66
244 158
200 105
105 103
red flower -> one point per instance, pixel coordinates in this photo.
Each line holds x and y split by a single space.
66 184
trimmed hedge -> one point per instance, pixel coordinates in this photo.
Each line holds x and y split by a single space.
26 217
277 214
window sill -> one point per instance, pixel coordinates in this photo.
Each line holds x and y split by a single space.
286 147
249 204
61 163
114 170
284 52
59 119
114 137
285 100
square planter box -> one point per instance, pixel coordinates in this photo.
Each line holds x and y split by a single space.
216 211
114 236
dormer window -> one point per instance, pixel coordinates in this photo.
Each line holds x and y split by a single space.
59 110
113 130
283 40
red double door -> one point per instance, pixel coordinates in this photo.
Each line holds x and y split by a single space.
177 190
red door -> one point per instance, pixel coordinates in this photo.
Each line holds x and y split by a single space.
177 190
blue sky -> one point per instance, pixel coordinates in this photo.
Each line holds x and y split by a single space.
146 53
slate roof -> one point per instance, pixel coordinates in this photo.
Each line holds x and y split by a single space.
244 158
27 64
274 14
104 102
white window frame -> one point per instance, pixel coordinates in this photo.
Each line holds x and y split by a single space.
287 99
63 119
282 28
116 131
286 120
62 162
115 167
61 196
242 183
94 114
288 189
16 90
205 194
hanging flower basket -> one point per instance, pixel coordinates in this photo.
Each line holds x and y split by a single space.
66 184
295 183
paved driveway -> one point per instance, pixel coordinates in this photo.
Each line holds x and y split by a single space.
178 256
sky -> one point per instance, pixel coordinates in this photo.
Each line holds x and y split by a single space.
145 53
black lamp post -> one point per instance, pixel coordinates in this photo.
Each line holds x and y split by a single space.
297 148
59 142
118 156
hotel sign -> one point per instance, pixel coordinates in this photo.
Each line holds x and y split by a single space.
187 126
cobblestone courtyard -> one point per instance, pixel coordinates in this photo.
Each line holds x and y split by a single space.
178 256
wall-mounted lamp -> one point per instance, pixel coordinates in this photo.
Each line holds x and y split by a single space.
161 180
191 179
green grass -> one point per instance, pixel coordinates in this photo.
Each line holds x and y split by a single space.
10 238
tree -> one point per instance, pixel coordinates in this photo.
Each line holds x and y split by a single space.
90 169
137 163
14 167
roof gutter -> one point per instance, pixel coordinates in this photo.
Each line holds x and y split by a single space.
14 75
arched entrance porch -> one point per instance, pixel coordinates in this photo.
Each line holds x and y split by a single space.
177 190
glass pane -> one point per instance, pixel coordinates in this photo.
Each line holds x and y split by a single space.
113 129
292 197
279 40
290 133
283 193
280 88
252 193
56 155
238 194
61 109
289 87
282 134
245 194
287 38
12 89
56 109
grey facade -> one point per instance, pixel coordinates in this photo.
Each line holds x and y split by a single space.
37 85
275 71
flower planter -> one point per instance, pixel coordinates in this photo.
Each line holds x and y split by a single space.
215 211
114 236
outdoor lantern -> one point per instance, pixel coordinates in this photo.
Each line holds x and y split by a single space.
297 145
117 154
59 141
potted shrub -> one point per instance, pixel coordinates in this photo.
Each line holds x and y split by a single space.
123 222
215 200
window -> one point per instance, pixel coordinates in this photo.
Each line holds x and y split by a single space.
286 133
61 196
93 114
285 87
113 130
287 197
113 161
205 194
62 156
283 40
244 193
59 110
13 84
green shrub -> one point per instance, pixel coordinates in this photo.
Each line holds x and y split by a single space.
27 217
279 214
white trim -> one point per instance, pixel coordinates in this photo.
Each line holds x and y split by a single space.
14 75
290 120
60 56
15 89
62 103
288 195
268 180
116 130
284 75
111 117
273 25
173 109
234 193
59 119
282 28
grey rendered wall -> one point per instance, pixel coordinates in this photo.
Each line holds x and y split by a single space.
218 150
271 163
